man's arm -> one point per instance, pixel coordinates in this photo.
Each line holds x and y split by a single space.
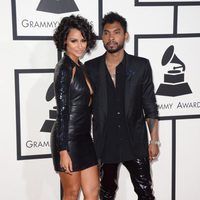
154 142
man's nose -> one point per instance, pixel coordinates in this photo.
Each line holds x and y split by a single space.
111 37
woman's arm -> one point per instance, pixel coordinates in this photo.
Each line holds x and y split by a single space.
62 82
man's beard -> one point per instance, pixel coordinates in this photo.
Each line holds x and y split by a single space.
113 50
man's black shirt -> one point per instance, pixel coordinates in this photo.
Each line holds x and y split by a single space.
117 144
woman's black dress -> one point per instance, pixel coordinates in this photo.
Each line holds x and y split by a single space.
71 130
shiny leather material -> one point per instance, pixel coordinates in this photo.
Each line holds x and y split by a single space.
71 130
139 170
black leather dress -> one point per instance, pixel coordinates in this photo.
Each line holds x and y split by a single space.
71 130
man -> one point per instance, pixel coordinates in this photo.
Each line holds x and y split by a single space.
123 101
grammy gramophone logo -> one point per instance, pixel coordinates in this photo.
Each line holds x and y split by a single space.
57 6
174 83
48 124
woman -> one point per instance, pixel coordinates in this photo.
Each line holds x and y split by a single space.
72 148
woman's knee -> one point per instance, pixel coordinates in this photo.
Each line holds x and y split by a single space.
91 192
71 193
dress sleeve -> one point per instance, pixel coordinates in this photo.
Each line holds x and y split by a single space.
149 99
62 79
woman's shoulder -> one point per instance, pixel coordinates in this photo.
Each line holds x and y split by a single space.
64 64
63 68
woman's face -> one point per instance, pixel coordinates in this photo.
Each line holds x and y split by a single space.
76 44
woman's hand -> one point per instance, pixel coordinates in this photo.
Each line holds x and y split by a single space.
65 161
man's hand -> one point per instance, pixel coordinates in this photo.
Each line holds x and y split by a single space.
153 151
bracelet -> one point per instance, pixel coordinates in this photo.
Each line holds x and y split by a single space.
155 142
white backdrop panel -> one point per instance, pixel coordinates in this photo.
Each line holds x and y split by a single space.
168 1
186 49
188 160
188 23
34 22
34 112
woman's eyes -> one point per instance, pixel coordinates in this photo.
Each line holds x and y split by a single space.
73 41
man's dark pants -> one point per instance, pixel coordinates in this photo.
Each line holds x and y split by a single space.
139 170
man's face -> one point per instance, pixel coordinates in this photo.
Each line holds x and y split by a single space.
114 37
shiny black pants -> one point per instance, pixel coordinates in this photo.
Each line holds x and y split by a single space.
139 170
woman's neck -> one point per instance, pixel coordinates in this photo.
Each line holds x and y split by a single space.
74 59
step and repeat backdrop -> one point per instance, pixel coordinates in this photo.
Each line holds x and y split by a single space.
167 32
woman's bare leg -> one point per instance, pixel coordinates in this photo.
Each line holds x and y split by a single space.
71 185
90 183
